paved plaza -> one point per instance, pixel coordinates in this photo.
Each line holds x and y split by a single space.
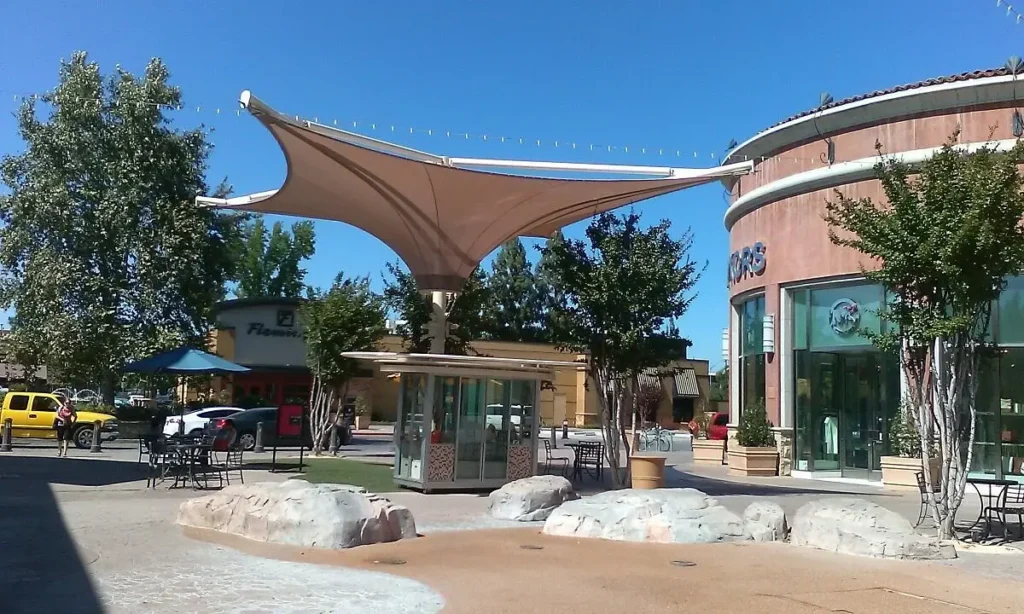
83 534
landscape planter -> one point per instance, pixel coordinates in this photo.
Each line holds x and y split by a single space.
710 451
362 423
647 472
901 472
763 462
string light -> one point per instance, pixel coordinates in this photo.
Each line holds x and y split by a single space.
369 127
1011 11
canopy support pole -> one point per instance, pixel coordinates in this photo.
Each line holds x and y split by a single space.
437 327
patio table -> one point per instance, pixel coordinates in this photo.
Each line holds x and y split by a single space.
989 500
190 456
585 452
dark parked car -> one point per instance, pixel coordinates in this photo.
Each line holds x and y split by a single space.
245 423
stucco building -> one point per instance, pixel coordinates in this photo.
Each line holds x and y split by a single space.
797 300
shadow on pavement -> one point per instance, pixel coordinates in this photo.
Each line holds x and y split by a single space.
675 478
40 568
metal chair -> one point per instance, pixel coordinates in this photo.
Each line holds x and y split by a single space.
922 487
1011 504
162 461
550 460
233 463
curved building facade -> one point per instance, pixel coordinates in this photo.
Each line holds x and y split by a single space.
797 300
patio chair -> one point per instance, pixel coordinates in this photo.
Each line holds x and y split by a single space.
233 464
1011 504
145 443
922 487
550 460
162 462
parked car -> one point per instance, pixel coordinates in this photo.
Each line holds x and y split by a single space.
32 414
245 423
195 421
718 428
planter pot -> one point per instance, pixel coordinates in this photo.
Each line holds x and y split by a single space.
762 462
900 472
647 472
362 423
710 451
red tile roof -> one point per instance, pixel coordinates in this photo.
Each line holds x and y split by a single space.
966 76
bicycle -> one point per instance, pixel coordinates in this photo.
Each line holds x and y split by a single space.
658 437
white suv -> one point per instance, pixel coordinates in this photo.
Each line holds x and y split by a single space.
195 421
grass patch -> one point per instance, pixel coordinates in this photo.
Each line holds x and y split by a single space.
374 478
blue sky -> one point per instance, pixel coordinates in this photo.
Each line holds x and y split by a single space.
685 76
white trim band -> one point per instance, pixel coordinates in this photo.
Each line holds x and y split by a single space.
838 174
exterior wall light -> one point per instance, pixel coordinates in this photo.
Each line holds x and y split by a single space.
768 334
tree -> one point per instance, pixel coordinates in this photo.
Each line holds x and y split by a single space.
623 286
515 309
549 291
348 317
104 254
944 243
720 385
465 311
269 265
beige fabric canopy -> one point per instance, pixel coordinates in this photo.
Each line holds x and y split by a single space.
440 218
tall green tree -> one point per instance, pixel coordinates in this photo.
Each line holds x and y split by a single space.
348 317
515 311
270 263
466 321
623 287
549 291
944 242
104 254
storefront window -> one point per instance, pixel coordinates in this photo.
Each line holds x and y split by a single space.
521 410
446 392
752 360
844 389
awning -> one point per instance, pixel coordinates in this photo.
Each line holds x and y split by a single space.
684 383
441 215
649 377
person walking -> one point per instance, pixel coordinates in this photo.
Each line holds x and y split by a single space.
66 417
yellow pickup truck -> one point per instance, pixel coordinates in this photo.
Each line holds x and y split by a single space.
32 415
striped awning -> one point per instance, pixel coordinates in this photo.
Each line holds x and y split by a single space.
684 383
649 377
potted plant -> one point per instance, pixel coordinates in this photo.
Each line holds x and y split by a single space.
706 450
756 453
904 445
362 412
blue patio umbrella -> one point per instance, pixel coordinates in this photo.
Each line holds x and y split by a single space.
184 361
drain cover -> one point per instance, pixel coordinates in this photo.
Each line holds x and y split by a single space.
389 562
531 547
684 563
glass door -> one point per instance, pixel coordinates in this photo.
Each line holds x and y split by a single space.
470 440
496 436
863 421
411 427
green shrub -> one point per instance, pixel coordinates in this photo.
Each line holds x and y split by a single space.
755 430
903 439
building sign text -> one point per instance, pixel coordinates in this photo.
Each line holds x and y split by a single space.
747 261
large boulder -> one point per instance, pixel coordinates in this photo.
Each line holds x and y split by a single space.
664 515
855 526
298 513
765 521
532 498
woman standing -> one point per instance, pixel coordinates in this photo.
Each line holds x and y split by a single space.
66 418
